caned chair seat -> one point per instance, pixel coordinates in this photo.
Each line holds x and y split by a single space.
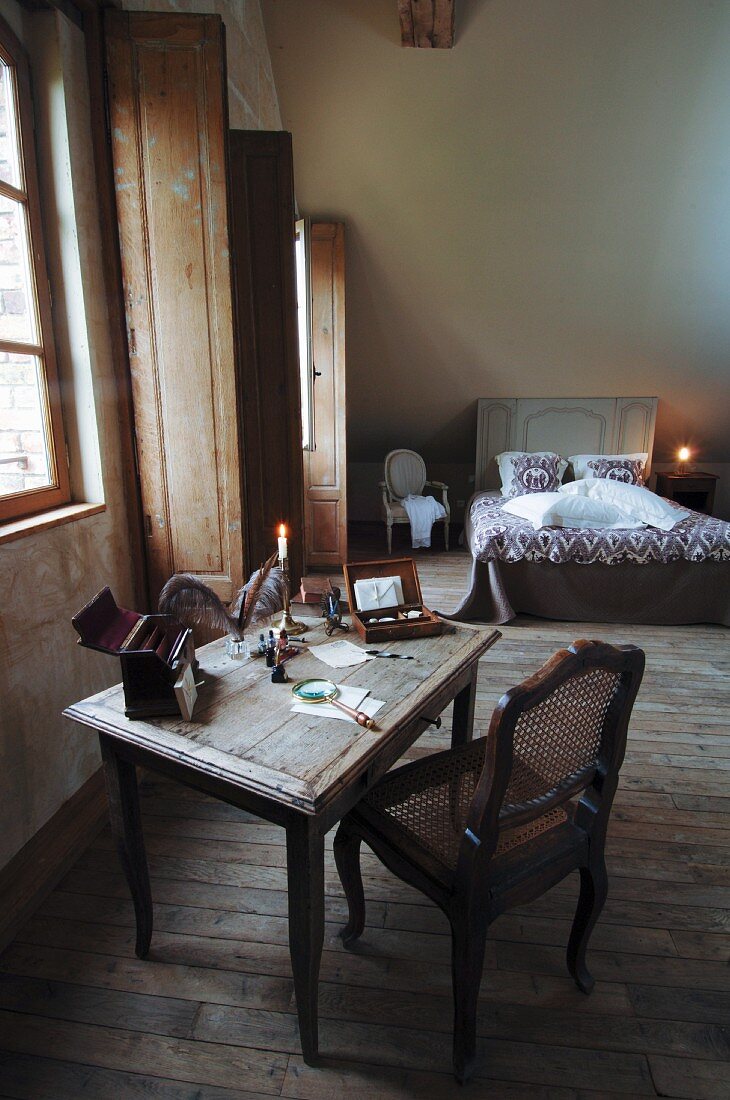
427 803
493 824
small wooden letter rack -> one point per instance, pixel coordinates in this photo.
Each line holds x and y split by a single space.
427 625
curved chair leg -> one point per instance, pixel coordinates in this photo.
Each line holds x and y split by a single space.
446 534
347 858
390 538
593 892
468 940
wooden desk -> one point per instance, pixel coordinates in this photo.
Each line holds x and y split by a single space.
299 771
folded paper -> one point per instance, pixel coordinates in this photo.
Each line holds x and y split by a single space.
351 696
340 654
373 593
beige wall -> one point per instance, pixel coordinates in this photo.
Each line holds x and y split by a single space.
47 577
544 210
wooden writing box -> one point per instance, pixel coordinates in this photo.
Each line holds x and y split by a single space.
154 652
405 568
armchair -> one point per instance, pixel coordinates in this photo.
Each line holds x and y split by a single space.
495 823
405 473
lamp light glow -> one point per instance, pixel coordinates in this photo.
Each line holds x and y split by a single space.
683 455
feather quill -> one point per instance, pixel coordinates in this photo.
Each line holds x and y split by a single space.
192 603
265 594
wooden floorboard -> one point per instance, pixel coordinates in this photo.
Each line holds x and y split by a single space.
211 1014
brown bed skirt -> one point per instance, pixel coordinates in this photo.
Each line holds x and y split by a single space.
680 592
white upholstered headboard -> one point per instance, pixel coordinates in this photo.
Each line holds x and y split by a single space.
570 426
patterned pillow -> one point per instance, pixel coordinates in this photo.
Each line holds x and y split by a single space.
627 470
535 473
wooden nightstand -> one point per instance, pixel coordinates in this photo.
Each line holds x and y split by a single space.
695 490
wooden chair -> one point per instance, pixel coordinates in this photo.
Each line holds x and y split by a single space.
405 472
486 826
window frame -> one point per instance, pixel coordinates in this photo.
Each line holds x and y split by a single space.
29 502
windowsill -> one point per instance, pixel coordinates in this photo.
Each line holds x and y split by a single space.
31 525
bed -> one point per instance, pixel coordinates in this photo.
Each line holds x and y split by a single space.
647 576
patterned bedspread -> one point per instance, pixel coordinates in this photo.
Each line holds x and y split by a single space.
501 536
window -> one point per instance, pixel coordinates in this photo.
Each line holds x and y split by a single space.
33 468
304 325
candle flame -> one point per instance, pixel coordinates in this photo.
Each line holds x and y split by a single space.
683 454
282 531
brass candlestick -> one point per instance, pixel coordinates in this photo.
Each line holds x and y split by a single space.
286 622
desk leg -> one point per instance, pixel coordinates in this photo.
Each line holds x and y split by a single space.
462 726
305 872
126 822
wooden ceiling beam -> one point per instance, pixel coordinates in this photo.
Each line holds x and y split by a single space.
428 24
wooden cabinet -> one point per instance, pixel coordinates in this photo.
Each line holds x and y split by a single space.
325 465
695 490
167 103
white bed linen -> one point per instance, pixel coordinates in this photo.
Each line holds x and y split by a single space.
573 510
634 500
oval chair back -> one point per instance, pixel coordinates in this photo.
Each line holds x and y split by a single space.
405 473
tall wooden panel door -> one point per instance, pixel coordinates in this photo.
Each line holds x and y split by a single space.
167 88
262 244
325 465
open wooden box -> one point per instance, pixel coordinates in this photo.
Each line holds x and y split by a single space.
426 626
154 651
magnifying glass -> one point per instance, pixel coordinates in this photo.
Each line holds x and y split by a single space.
325 691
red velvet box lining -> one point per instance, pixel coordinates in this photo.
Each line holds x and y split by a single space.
103 625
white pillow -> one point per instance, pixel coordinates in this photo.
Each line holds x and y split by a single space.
581 468
634 500
568 510
546 477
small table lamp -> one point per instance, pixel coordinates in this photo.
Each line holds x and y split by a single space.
683 455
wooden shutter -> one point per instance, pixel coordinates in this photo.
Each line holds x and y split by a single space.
325 467
262 236
167 89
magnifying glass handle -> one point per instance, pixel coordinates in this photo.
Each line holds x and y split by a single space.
360 717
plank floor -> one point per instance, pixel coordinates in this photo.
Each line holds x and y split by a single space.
210 1016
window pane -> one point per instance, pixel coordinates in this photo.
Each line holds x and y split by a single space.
303 325
24 460
17 306
9 153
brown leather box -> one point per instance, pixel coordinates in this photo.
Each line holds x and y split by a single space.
154 652
427 625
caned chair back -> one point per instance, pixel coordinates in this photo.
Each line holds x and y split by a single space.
558 733
405 473
556 742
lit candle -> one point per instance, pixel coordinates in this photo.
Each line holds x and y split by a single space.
282 542
683 454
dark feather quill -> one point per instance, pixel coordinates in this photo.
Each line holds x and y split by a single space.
192 603
265 594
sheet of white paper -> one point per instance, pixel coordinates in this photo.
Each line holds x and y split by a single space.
351 697
378 592
340 654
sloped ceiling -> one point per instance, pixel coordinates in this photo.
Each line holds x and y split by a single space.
543 210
